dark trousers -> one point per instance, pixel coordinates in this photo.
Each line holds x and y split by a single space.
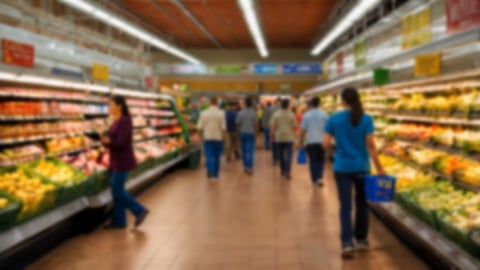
345 184
284 151
213 154
247 142
122 200
316 159
266 134
275 156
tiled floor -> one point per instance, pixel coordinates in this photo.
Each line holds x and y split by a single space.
242 222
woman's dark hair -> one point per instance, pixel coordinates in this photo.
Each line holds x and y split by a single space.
285 103
248 102
120 101
351 97
315 102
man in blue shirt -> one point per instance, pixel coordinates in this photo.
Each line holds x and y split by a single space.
232 142
313 123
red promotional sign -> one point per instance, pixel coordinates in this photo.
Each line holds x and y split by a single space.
340 63
19 54
462 14
149 82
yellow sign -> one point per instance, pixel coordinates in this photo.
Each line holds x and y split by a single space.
100 72
416 29
427 64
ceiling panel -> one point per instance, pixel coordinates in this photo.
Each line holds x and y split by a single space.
285 23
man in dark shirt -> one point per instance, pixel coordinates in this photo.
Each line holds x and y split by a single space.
232 142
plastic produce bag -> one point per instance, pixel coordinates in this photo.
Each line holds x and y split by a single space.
302 157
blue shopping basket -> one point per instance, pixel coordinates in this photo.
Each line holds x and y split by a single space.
302 156
380 189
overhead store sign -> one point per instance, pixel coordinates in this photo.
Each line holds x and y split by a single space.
360 52
302 68
416 29
462 14
265 68
381 76
18 54
100 72
188 69
67 73
427 64
231 69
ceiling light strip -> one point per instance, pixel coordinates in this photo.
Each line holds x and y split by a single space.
121 24
357 12
250 15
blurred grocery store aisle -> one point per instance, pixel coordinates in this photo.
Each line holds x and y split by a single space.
242 222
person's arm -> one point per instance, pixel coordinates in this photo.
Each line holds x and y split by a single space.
303 131
200 124
272 127
122 137
372 151
224 129
327 142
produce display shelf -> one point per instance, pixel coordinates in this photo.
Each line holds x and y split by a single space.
440 87
88 100
419 233
158 125
431 120
375 106
96 114
11 141
60 153
157 137
158 116
43 117
27 230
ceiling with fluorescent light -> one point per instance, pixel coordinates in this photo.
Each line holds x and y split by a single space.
285 23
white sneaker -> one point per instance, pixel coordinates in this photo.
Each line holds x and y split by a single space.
362 245
348 253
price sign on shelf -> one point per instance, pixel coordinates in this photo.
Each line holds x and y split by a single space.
100 72
19 54
427 64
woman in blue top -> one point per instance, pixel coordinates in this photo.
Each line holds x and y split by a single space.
352 130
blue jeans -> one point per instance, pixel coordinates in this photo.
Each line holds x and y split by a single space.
316 157
285 151
345 182
122 200
275 155
247 142
266 134
213 154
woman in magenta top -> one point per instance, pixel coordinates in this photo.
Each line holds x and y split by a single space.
122 160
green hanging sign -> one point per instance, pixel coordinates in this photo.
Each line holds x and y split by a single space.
360 52
381 76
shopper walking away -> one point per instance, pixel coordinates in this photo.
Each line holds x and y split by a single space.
267 116
122 161
212 124
353 131
247 123
275 156
232 136
311 136
282 126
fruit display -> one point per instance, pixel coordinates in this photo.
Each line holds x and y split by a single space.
35 194
57 172
15 155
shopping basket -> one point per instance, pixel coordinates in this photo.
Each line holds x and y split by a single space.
302 156
380 188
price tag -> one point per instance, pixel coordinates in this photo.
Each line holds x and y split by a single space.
427 64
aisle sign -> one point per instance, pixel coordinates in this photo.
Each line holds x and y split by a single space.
381 76
416 29
427 65
231 69
302 68
360 52
100 72
265 68
462 14
18 54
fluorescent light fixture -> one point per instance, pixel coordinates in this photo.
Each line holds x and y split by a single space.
249 13
119 23
358 11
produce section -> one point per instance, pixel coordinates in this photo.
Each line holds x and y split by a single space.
428 137
50 153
